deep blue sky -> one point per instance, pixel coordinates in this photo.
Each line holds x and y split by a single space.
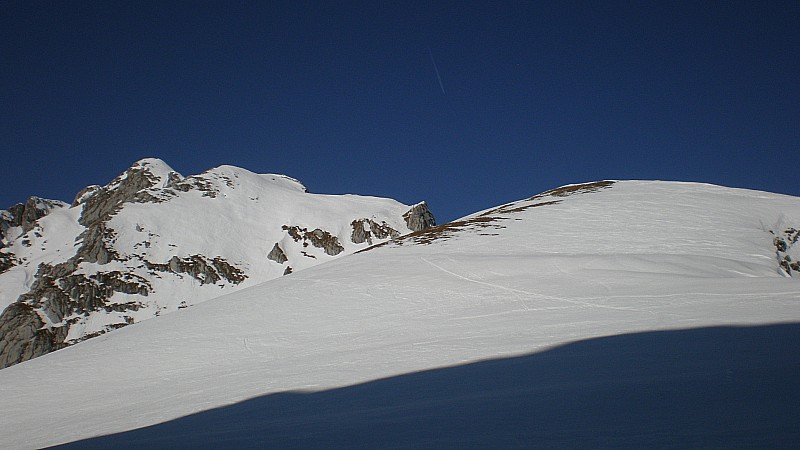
344 95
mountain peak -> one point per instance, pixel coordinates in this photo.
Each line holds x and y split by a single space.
153 165
151 242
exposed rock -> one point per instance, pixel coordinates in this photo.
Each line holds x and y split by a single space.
365 229
277 254
58 293
173 179
36 208
360 233
446 231
23 335
783 243
196 182
780 244
318 238
7 261
198 267
129 187
295 232
573 189
228 271
326 241
792 234
84 194
419 217
288 270
97 240
25 215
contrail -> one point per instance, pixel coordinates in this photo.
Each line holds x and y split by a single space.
438 77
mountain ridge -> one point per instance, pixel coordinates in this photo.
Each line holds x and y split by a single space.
120 251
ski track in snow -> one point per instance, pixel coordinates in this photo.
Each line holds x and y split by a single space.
531 294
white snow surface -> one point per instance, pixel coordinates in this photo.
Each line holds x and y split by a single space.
636 257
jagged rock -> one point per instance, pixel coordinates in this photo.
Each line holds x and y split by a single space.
783 245
58 293
277 254
294 232
780 244
7 261
197 182
365 229
23 335
204 271
288 270
360 233
326 241
173 179
25 215
84 194
97 244
419 217
318 238
229 271
36 208
792 234
128 187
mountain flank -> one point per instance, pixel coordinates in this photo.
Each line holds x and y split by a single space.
152 241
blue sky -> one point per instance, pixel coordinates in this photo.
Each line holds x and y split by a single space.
345 97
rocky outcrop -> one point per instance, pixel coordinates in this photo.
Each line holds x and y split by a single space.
783 243
318 238
85 193
25 215
365 229
23 335
132 186
575 189
201 269
83 294
277 254
419 217
195 182
97 244
7 261
63 297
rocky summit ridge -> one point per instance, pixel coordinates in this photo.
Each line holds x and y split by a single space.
152 241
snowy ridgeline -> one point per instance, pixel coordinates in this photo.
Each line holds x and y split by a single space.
153 242
610 314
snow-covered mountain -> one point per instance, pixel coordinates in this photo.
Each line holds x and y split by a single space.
152 242
624 314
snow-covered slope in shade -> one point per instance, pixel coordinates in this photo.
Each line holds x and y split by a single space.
534 277
152 242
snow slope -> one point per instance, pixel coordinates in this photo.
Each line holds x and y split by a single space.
588 316
153 242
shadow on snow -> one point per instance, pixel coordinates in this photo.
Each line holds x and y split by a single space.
708 387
